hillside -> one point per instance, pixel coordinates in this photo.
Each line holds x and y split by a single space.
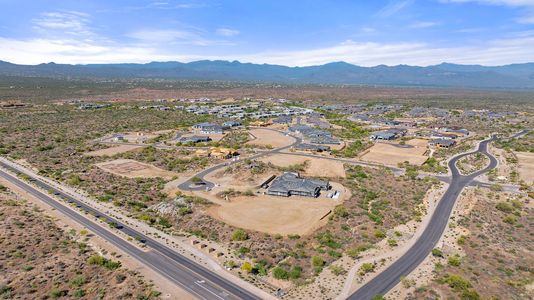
517 76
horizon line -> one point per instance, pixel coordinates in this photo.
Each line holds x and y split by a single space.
260 64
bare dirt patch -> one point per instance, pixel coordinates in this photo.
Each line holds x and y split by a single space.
314 166
526 166
276 215
113 150
393 154
134 169
264 137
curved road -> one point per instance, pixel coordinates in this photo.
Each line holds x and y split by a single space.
190 186
390 277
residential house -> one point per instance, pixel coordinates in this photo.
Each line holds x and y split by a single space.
230 124
194 139
208 128
441 143
291 184
312 148
387 135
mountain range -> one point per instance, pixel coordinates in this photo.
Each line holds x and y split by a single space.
515 76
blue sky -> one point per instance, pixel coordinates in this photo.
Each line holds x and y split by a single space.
295 33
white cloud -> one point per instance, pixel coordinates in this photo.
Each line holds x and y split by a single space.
393 7
422 25
497 52
182 37
227 32
528 18
63 22
34 51
163 36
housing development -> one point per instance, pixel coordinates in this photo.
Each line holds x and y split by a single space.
281 198
273 150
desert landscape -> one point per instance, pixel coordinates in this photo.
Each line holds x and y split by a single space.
392 154
134 169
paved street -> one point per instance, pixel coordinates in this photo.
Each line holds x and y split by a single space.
197 280
390 277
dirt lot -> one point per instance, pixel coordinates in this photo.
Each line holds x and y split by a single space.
274 214
113 150
263 213
134 169
138 137
315 166
393 154
526 166
277 215
264 137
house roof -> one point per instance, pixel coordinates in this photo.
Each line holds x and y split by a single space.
290 181
195 138
442 142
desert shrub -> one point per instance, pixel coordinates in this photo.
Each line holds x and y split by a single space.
505 207
102 261
182 211
295 272
239 235
247 267
436 252
78 281
280 273
120 278
510 219
341 211
57 293
454 260
456 282
337 270
366 268
79 293
317 261
380 234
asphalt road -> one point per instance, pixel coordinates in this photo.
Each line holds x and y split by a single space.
390 277
190 186
192 277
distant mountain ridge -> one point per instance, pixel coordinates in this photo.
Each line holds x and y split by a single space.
514 76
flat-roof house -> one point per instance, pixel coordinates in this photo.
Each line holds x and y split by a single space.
312 148
208 128
325 140
387 135
383 135
291 184
194 139
456 131
283 120
442 143
230 124
443 136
